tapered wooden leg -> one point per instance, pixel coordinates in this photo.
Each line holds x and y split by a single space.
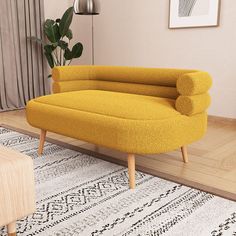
42 141
184 154
131 168
11 229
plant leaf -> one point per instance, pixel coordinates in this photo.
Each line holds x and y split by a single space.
49 48
55 44
69 34
62 44
68 54
77 50
49 59
65 21
52 31
49 22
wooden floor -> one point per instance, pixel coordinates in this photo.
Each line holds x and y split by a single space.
212 160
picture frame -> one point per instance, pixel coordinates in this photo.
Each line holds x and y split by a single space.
194 13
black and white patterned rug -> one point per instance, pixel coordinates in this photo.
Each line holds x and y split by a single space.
78 194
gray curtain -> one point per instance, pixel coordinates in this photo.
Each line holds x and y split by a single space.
23 72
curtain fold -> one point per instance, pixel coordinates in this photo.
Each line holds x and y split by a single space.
23 70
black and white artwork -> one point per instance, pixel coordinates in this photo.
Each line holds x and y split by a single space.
194 13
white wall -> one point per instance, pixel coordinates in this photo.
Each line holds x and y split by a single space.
81 26
136 33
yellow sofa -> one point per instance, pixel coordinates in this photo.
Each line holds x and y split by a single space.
133 110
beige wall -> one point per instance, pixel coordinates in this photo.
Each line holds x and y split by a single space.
54 8
81 26
136 33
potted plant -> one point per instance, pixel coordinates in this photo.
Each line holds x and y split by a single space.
58 34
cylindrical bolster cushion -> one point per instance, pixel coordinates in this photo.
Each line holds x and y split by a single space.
191 105
194 83
68 73
68 86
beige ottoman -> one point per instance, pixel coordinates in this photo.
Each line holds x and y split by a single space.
17 191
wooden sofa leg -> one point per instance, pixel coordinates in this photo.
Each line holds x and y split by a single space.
131 169
42 141
11 229
184 154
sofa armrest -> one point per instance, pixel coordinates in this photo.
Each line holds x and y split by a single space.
194 83
71 73
71 78
193 88
192 105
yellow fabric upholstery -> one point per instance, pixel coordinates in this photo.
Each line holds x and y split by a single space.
194 83
144 81
68 73
138 75
67 86
128 109
114 104
191 105
135 124
143 89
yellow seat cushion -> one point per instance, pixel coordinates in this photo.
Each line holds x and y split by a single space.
125 122
114 104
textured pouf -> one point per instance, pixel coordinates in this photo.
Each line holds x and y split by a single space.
17 191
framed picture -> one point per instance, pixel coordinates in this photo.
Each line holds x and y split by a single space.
194 13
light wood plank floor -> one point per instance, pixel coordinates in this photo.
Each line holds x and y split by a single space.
212 160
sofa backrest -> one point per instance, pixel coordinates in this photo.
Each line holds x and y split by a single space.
136 80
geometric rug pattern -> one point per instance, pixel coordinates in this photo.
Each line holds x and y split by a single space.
78 194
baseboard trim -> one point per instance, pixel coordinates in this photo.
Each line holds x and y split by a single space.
222 119
189 183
